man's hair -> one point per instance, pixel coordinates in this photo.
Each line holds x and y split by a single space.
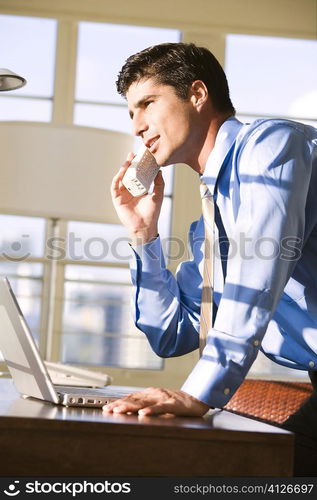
178 65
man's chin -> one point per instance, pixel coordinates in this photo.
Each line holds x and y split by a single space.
163 162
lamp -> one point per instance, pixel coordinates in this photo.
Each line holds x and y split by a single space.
10 80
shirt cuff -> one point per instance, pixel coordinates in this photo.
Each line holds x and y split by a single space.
214 380
148 259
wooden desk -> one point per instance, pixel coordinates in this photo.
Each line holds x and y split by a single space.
40 439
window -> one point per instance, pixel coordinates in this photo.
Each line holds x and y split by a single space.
102 296
89 320
21 259
97 326
97 323
102 50
28 48
270 76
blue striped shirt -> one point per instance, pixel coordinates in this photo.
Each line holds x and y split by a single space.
263 177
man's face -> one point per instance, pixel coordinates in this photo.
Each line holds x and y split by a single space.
165 123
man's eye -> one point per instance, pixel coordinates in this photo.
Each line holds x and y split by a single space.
146 104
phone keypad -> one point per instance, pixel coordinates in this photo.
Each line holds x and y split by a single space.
138 185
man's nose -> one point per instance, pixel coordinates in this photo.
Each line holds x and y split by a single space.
139 126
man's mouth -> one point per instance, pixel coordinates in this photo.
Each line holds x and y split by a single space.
152 144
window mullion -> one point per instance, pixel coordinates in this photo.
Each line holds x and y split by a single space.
52 293
65 72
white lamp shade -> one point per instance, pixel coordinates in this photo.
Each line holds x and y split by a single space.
10 80
60 171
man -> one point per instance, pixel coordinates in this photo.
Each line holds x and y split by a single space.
262 178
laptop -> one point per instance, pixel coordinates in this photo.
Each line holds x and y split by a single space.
28 370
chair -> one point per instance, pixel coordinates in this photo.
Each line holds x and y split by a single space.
269 401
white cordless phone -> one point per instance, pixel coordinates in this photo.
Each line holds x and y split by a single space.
141 173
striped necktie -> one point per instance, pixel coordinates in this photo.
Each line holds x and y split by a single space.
208 272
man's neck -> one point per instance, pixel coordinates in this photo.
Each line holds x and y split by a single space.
209 142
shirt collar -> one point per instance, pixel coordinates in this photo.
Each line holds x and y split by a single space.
226 137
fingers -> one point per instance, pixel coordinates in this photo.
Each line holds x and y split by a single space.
158 187
124 406
159 181
156 409
130 156
133 402
172 406
116 181
127 404
124 167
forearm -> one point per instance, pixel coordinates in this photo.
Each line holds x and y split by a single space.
170 323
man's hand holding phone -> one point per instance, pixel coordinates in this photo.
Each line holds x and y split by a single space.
139 214
140 175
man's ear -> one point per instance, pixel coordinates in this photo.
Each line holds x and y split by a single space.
198 93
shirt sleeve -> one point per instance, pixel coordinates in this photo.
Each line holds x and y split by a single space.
165 307
273 172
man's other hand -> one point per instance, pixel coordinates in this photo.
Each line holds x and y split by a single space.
155 401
